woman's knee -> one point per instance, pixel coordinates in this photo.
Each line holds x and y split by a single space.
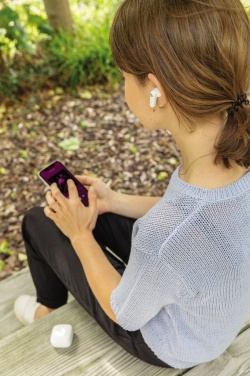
33 220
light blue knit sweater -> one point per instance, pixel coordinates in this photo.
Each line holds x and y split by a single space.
187 282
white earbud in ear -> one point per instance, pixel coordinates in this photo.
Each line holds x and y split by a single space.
154 94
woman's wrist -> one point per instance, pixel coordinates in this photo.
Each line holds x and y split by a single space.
85 236
111 201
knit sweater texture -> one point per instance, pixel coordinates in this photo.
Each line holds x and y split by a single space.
187 283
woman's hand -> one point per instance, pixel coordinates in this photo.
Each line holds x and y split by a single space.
109 201
69 214
104 194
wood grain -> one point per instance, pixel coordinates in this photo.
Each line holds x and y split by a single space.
26 351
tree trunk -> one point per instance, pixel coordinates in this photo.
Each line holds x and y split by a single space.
59 15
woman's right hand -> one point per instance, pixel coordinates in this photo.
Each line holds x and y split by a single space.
105 195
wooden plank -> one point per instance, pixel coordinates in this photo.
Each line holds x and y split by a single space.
28 351
235 361
10 289
246 325
119 363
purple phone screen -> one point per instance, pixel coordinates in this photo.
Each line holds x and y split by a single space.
57 173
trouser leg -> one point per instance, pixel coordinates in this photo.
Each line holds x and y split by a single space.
52 259
56 269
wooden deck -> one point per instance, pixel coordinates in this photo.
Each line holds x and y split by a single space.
26 351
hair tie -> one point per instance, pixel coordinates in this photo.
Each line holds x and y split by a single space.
235 106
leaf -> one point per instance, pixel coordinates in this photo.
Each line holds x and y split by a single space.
56 98
2 108
72 143
3 171
133 149
59 90
83 125
13 195
2 265
24 154
173 161
162 176
22 257
84 94
4 248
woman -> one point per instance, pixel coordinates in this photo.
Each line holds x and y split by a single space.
184 293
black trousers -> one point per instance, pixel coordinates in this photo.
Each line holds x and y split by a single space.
56 269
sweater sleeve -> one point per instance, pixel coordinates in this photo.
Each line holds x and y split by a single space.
145 288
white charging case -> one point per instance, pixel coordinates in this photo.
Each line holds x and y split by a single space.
62 336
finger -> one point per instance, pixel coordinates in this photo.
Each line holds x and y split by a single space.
52 203
50 200
85 180
56 193
92 199
73 193
93 207
49 212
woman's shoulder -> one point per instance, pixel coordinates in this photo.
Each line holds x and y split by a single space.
219 190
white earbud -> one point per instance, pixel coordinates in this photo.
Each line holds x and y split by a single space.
154 94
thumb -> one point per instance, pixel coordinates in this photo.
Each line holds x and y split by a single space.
84 179
93 206
92 196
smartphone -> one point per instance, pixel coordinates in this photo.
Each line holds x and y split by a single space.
57 173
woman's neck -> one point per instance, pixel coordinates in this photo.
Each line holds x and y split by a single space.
198 158
207 174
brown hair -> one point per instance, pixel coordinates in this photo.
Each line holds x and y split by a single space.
199 51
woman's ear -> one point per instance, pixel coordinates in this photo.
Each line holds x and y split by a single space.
154 82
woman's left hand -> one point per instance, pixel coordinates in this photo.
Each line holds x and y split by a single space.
69 214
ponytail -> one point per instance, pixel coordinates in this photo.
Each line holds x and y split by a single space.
234 141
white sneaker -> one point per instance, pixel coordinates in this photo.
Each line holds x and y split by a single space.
25 308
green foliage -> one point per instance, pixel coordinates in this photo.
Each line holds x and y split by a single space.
37 21
14 30
5 251
83 57
72 143
133 149
20 29
246 3
8 83
32 55
162 176
4 248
